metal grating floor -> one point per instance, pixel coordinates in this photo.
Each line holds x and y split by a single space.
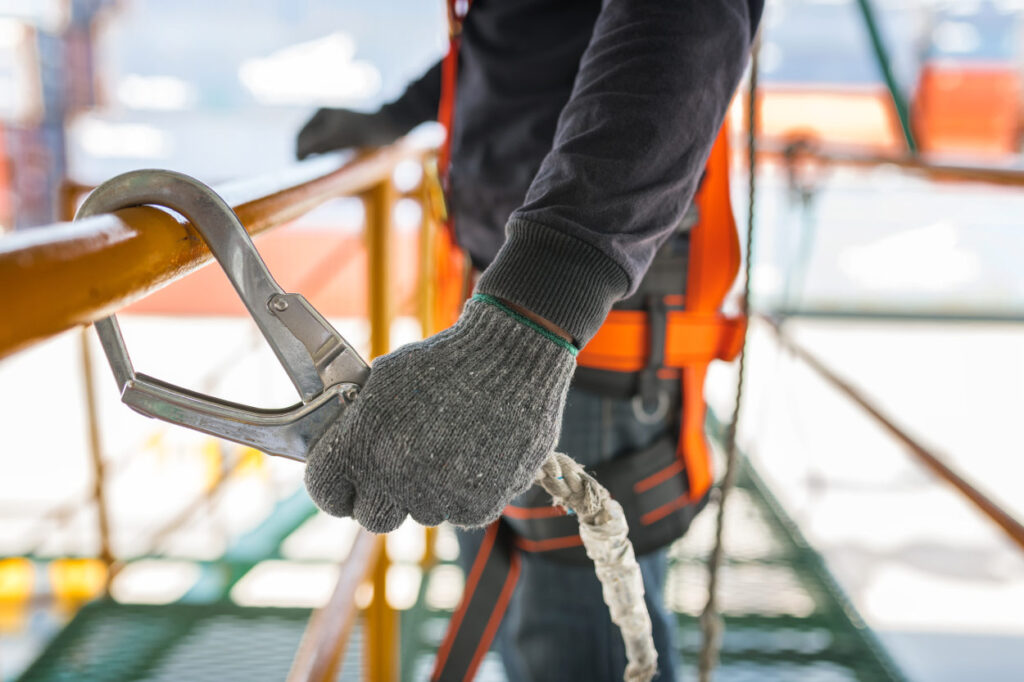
109 642
786 620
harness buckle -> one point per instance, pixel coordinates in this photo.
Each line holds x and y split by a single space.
325 369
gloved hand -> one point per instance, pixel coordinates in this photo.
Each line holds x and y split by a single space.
448 428
331 129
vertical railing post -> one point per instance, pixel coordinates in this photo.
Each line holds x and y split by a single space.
69 194
96 458
381 634
381 621
378 203
427 291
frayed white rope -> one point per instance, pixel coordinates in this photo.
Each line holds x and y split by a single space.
605 537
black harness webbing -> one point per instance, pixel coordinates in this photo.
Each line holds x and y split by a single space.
488 590
651 485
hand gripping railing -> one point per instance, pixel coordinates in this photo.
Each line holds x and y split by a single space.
325 369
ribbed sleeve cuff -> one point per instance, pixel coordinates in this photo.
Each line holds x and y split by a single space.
559 277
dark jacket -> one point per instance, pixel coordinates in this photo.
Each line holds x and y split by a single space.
581 131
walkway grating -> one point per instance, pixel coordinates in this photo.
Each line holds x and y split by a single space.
786 620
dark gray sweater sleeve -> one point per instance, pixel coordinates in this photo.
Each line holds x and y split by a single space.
628 153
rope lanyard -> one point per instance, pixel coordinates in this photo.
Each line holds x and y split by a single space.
603 525
712 626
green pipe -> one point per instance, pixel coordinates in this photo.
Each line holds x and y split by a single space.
882 56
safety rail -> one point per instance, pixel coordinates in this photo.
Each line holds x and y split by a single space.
801 155
799 149
326 636
126 255
130 253
933 461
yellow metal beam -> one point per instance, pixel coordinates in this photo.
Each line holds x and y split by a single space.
96 457
381 635
379 202
67 274
381 629
427 294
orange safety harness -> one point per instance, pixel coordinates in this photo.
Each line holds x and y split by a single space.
451 263
697 332
675 337
660 490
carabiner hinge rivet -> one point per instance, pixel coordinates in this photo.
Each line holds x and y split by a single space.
279 303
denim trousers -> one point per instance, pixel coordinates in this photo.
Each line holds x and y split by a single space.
557 627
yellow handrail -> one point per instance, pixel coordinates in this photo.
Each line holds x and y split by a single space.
322 648
66 274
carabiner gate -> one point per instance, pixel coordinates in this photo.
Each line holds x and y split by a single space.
326 370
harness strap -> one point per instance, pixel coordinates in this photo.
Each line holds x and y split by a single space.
624 341
650 485
714 241
488 591
694 335
657 320
450 261
457 10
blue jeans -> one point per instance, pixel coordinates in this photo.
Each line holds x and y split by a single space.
557 626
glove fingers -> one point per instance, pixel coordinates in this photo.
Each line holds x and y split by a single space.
337 497
375 513
473 518
426 517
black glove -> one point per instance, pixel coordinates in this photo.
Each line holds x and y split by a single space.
331 129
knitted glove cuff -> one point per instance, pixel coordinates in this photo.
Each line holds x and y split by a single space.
491 340
563 279
522 319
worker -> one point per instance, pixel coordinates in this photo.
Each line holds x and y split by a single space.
581 130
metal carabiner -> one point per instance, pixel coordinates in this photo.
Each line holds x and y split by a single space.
326 370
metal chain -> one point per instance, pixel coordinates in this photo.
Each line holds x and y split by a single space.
712 626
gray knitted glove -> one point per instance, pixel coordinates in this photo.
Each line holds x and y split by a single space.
449 428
